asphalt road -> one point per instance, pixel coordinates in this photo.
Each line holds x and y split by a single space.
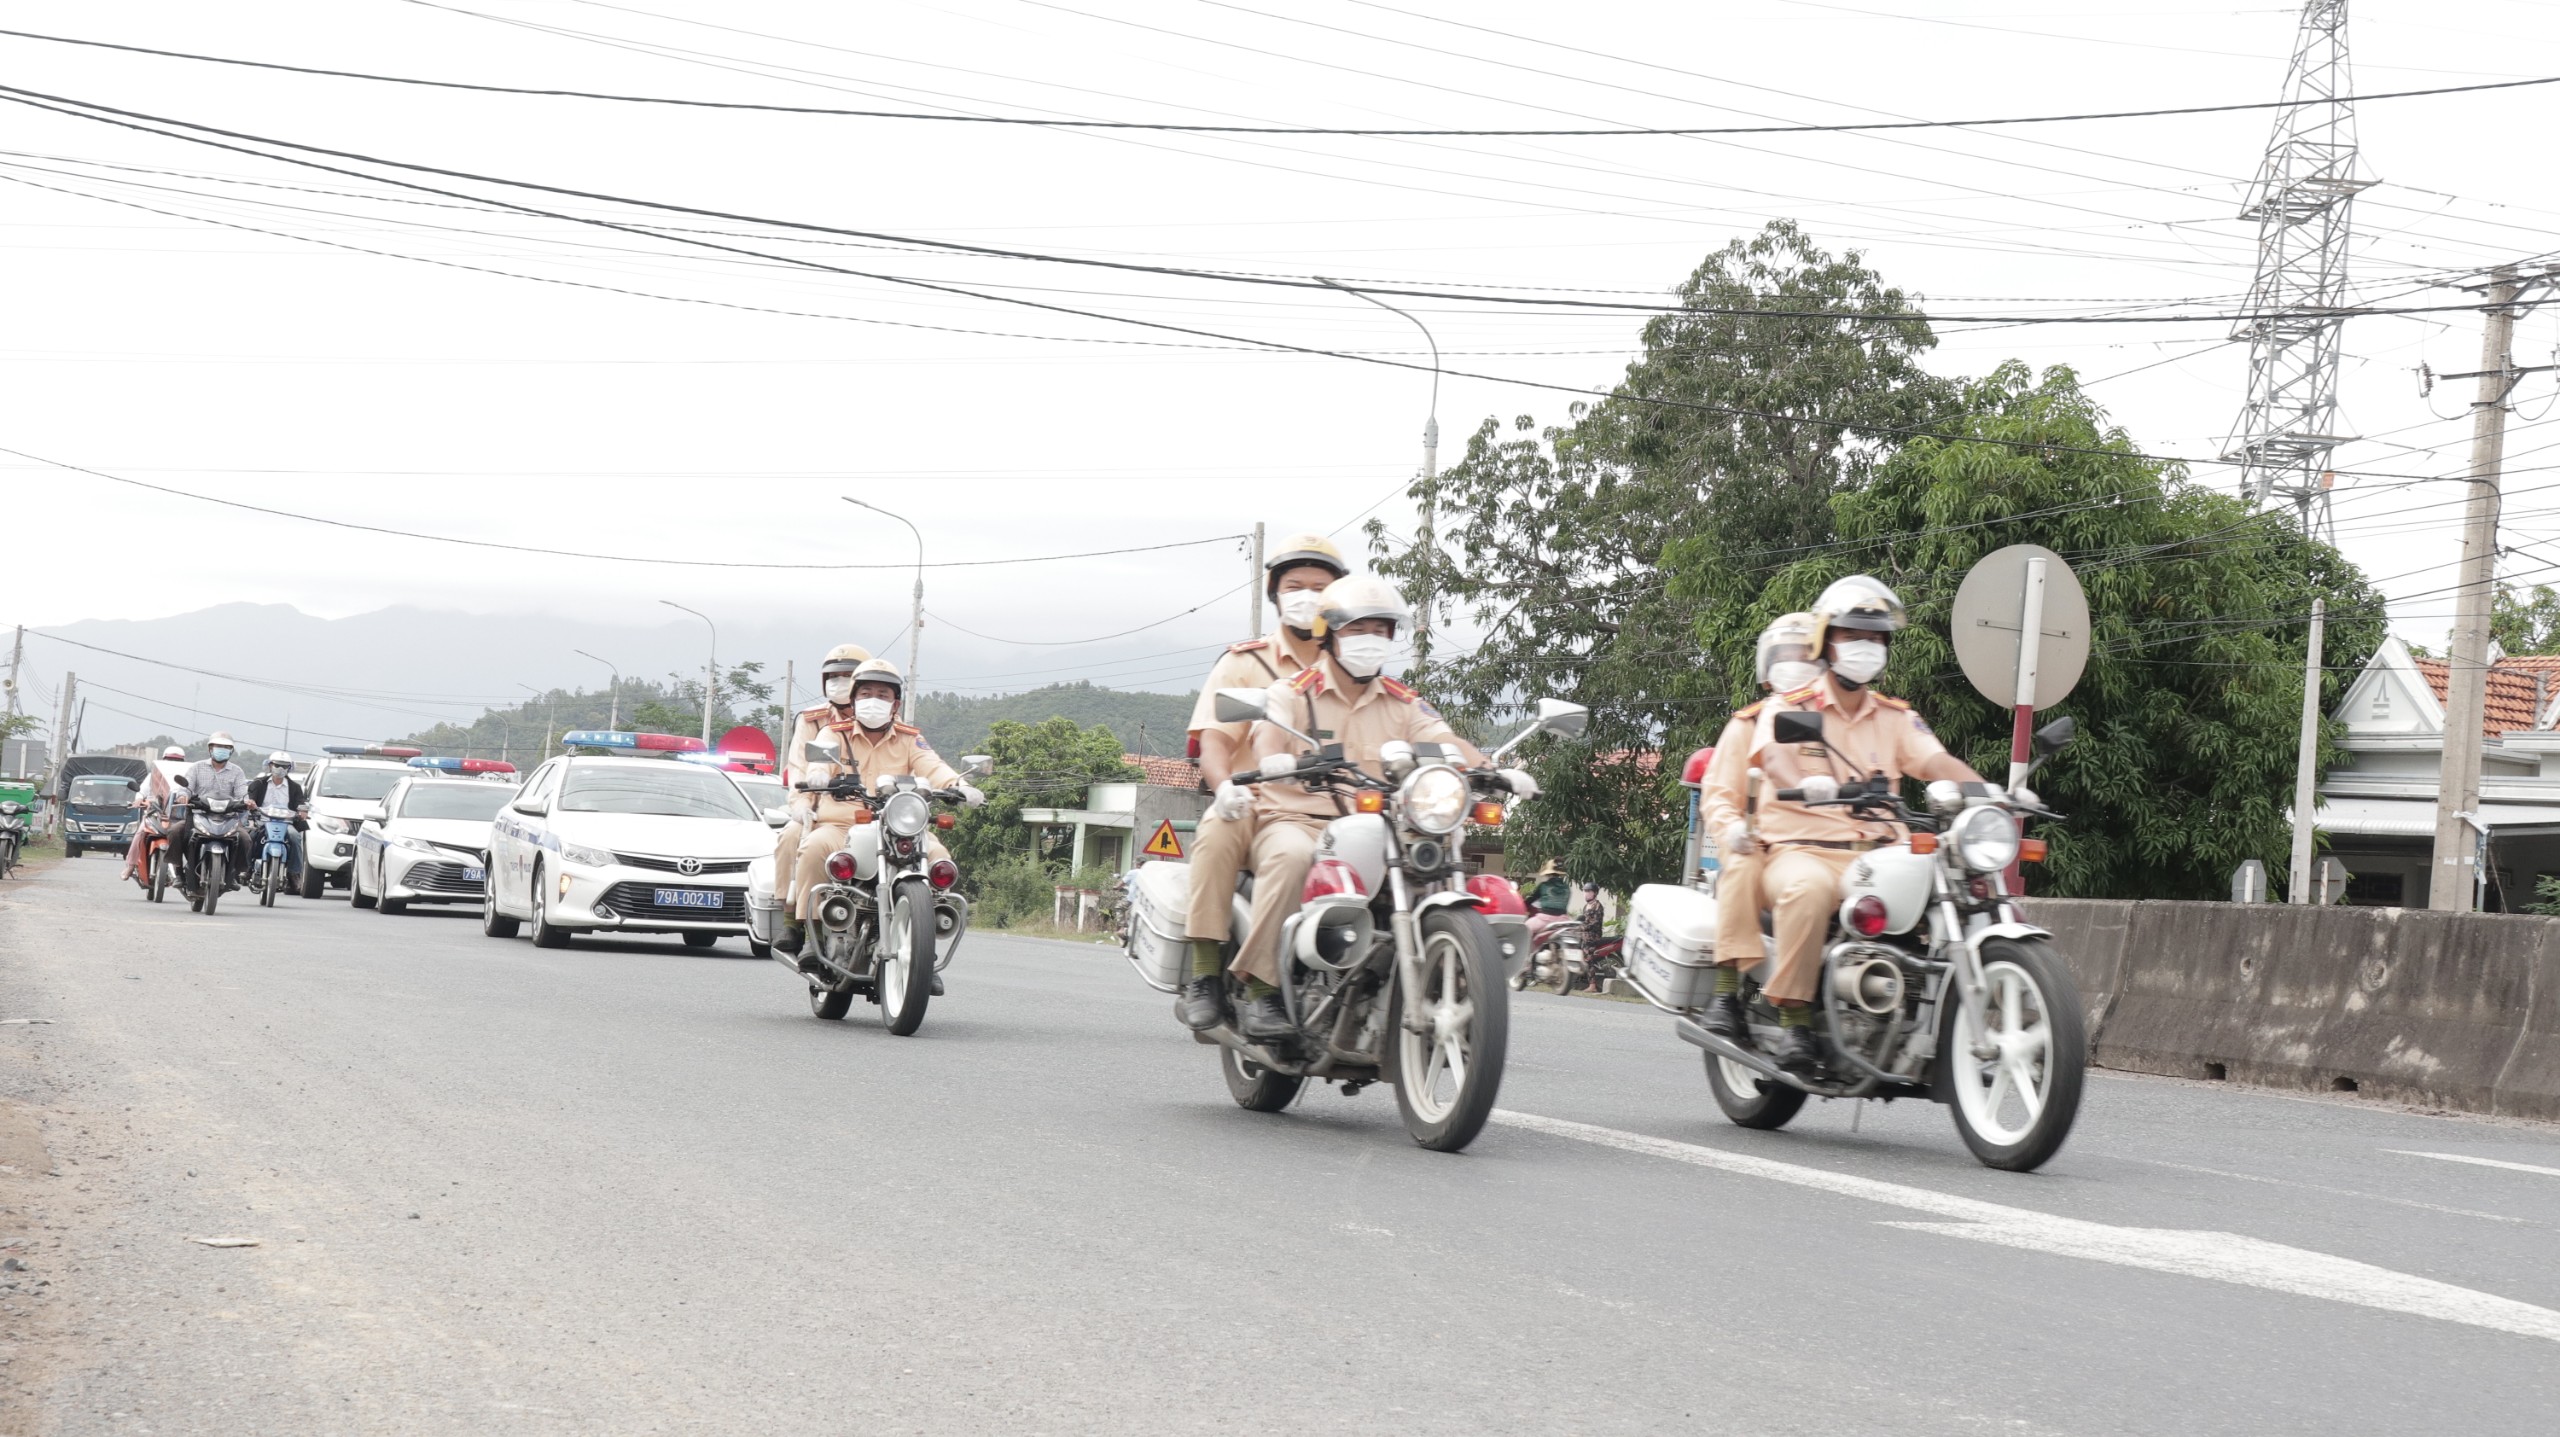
631 1188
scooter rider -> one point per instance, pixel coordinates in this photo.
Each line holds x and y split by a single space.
152 798
835 688
1342 698
266 793
876 746
1863 733
1294 580
1786 664
216 777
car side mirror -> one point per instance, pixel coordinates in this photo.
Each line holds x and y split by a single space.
377 814
1562 719
974 764
1796 726
533 806
2053 736
1241 705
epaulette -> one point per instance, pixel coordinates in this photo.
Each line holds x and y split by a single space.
1310 680
909 730
1751 710
1903 704
1248 646
1397 689
1805 695
818 713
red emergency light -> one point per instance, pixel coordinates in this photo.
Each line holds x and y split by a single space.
1693 774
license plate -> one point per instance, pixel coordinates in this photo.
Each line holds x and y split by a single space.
475 875
689 898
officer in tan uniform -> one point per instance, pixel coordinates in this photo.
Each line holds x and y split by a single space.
835 689
1342 698
1294 579
876 746
1863 732
1726 804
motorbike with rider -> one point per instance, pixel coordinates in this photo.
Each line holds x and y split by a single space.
213 833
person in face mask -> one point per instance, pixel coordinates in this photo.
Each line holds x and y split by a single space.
1865 733
1727 804
835 689
1344 698
217 777
1294 578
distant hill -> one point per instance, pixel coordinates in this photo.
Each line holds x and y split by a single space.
1143 722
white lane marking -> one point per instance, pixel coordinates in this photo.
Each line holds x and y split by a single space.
2479 1162
2218 1256
2341 1192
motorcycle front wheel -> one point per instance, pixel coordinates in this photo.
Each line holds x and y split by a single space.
159 888
905 966
2015 1107
270 880
209 877
1448 1075
1256 1088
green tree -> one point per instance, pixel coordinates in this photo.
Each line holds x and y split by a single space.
2526 624
2190 708
1049 764
746 697
1727 441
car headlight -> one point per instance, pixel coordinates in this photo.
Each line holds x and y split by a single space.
906 814
1986 838
1435 799
584 856
414 845
333 825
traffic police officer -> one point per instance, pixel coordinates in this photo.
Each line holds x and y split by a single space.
875 745
1726 804
835 689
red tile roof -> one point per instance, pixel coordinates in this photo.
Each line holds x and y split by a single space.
1165 772
2519 688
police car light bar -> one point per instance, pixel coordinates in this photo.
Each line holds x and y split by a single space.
655 744
731 762
372 750
463 765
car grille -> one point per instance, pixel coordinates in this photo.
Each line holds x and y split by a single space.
668 865
440 878
640 900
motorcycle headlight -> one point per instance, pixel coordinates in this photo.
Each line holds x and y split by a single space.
906 814
1986 839
584 856
1435 799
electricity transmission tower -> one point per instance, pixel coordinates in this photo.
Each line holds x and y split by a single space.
2302 200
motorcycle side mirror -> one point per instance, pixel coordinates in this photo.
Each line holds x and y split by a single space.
777 816
2055 735
1242 705
818 752
1796 726
1565 720
974 764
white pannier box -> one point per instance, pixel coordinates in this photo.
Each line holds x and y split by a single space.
1159 910
1671 945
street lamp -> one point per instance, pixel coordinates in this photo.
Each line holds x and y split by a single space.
550 714
1430 472
915 625
614 720
710 670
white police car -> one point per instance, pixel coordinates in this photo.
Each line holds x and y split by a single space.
428 840
612 837
345 785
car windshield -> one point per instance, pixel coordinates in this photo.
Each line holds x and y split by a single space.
339 781
480 801
102 792
764 792
665 789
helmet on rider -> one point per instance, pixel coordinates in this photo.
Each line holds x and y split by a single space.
218 746
1787 658
1854 623
280 759
1375 609
835 674
878 688
173 754
1296 574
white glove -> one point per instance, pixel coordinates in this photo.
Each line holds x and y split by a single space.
1819 788
1231 800
1519 782
970 795
1736 838
2026 795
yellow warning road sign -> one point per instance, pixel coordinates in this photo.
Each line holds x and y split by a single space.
1164 844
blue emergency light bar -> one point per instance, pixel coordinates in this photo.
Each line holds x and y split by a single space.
623 741
463 765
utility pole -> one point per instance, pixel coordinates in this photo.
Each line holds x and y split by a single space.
2303 201
1253 591
2297 888
789 666
62 725
17 655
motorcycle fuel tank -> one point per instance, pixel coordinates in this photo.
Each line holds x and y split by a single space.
1896 875
864 844
1358 839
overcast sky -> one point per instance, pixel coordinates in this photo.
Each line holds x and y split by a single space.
384 357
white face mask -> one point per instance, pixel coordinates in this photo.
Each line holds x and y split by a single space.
1363 654
872 713
840 690
1298 608
1788 675
1858 660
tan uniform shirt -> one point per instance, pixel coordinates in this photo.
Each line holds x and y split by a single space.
1327 706
1258 664
1725 798
806 727
897 749
1882 733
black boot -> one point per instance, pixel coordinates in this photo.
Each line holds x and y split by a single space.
789 939
1265 1017
1800 1052
937 984
1203 1004
1724 1018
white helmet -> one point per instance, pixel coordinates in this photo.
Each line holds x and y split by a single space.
1788 639
1348 601
843 659
1859 603
279 759
219 738
173 754
880 671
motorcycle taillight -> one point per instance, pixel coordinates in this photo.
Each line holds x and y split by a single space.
1330 877
840 866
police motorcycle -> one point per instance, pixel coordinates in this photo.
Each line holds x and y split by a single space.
1931 985
886 922
209 836
1391 970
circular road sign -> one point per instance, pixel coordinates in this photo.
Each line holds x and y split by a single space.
1989 605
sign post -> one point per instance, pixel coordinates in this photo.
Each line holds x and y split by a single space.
2023 703
2021 633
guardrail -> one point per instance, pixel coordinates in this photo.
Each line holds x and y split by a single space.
2449 1010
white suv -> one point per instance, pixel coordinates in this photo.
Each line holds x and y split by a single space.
345 785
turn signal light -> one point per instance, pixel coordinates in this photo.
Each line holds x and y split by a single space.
862 813
1924 843
943 820
1867 915
1370 802
942 874
840 866
2031 850
1487 812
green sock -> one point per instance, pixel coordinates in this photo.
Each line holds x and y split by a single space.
1256 988
1728 980
1796 1015
1204 958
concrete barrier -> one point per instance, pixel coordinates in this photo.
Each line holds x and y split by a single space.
2450 1010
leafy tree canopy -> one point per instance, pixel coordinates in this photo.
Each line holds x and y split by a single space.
2526 623
1049 764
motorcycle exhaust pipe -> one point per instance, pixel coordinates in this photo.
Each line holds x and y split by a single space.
1874 986
836 912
